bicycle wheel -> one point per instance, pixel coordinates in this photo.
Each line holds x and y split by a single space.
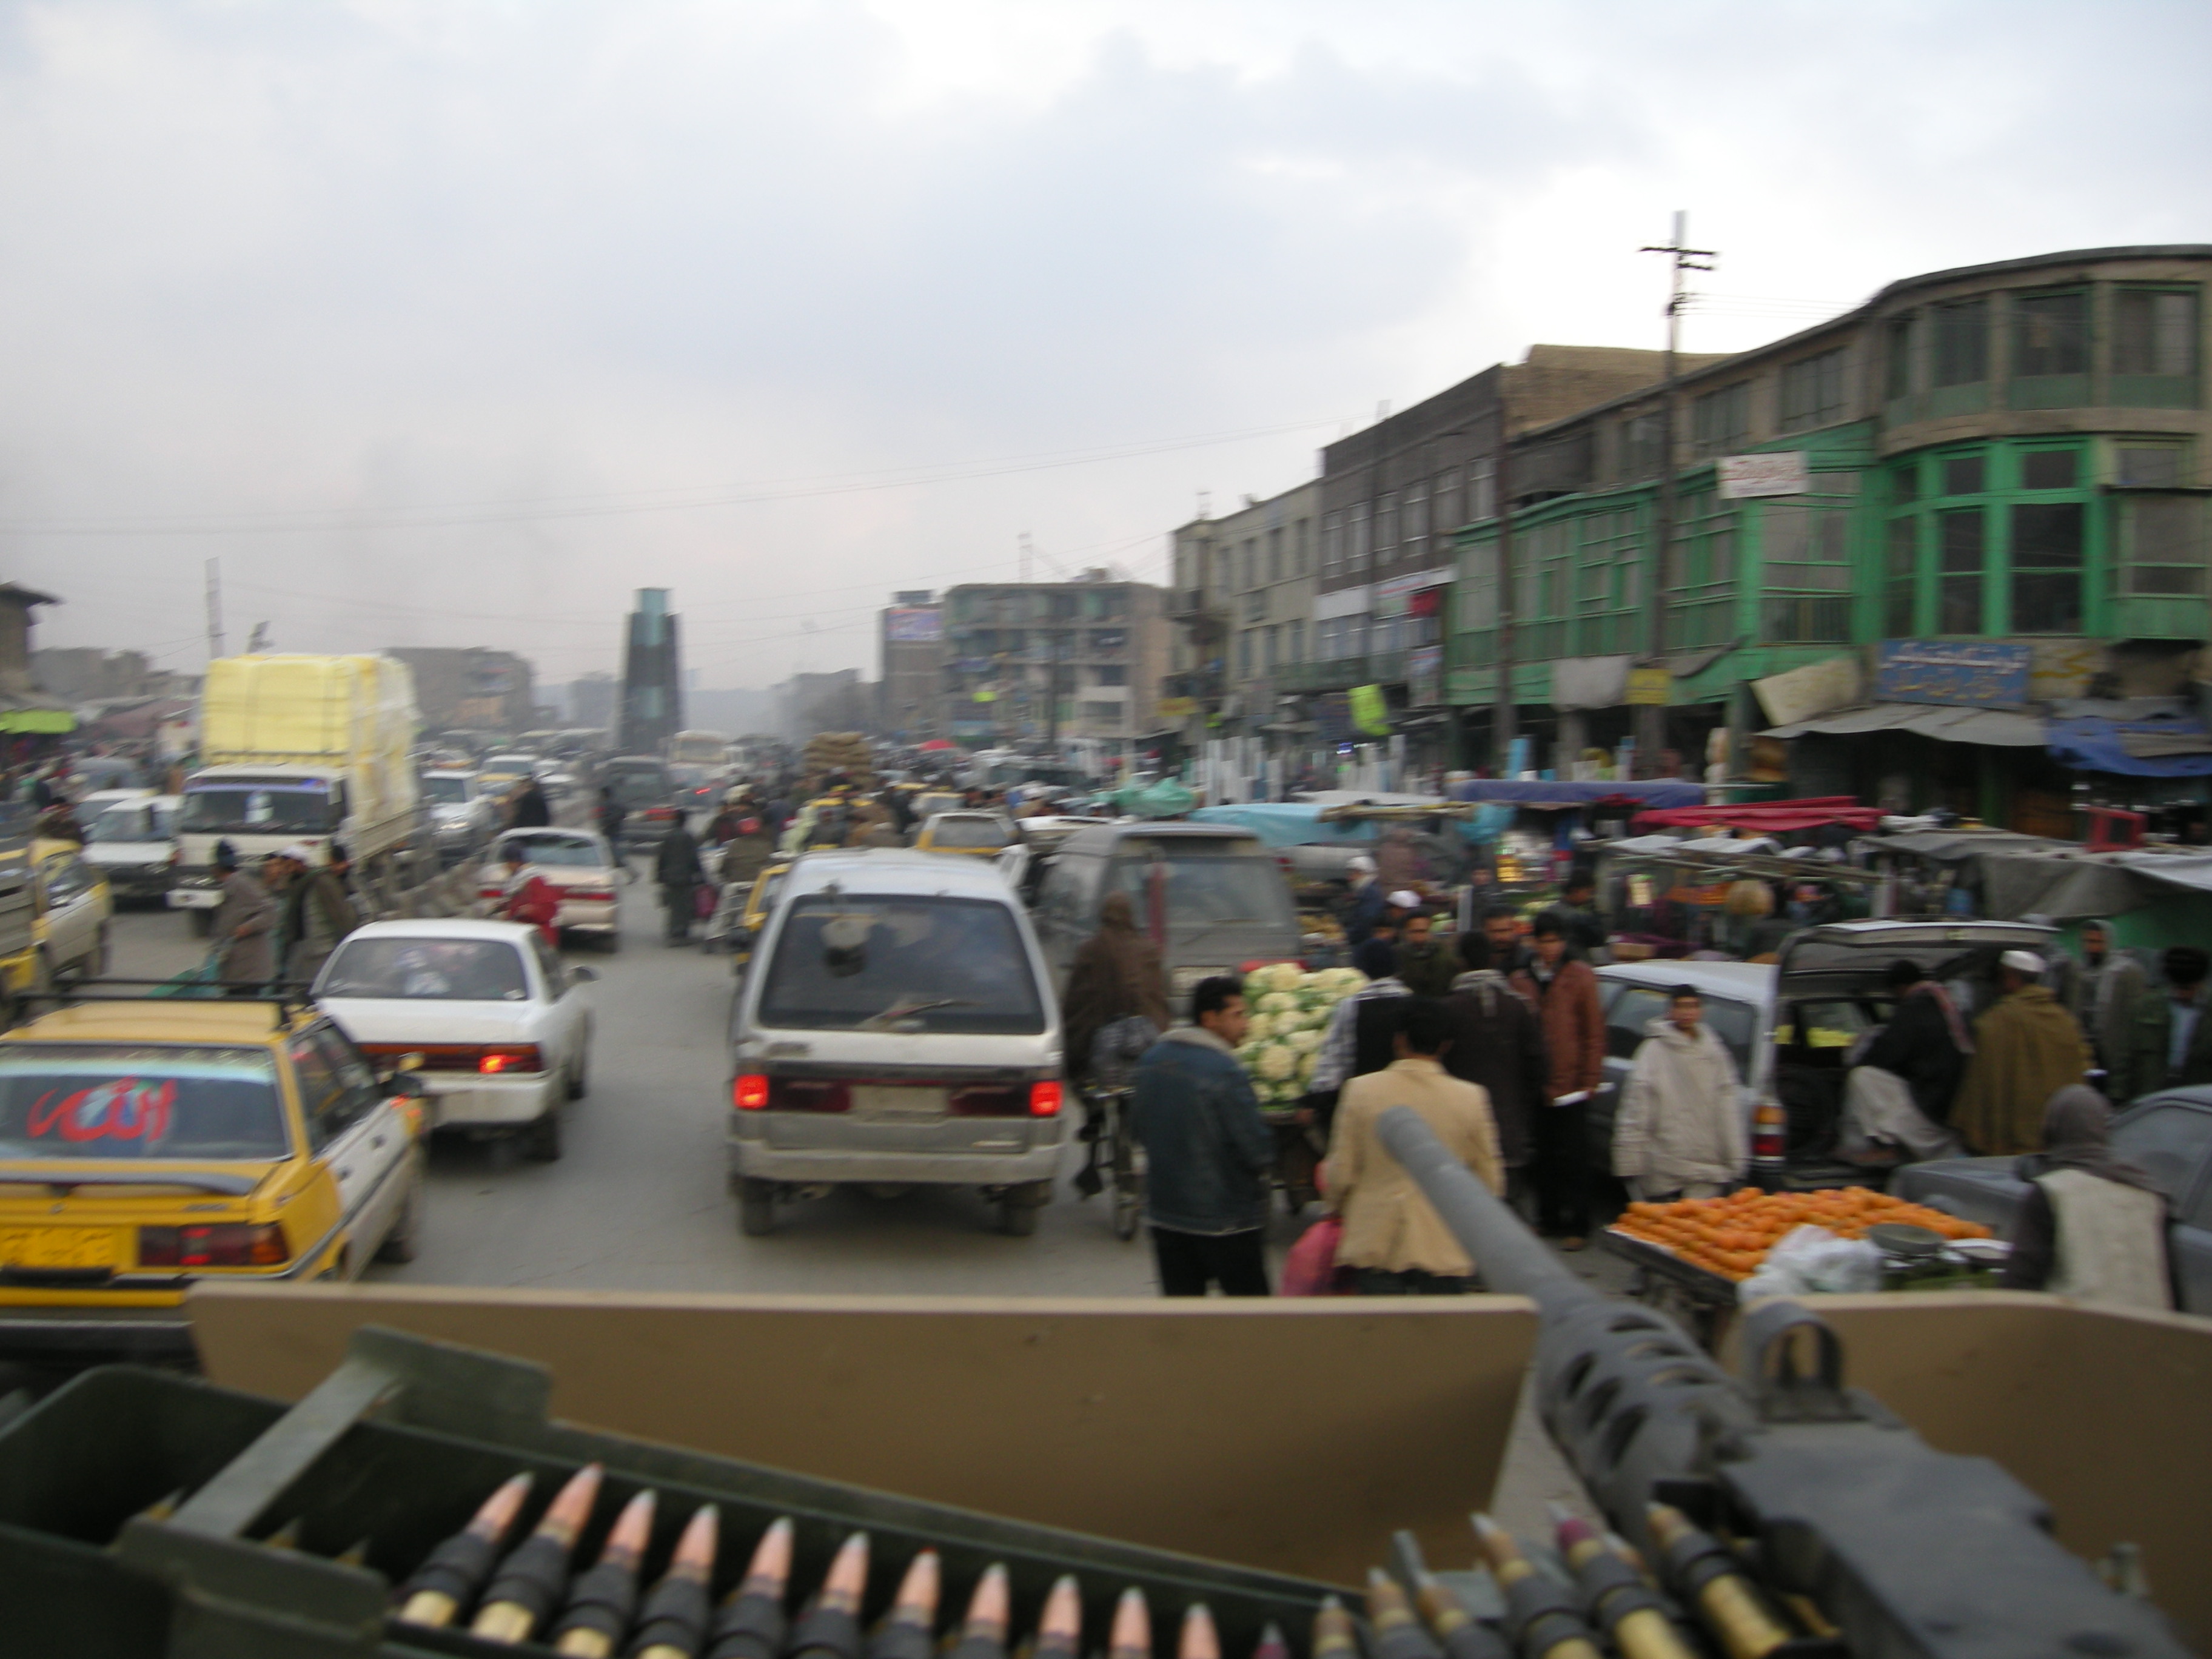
1128 1184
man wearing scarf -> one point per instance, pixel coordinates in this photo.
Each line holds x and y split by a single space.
2091 1227
2026 1049
1897 1099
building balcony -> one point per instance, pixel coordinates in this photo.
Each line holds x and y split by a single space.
1193 607
1341 674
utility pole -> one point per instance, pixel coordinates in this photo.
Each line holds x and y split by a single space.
214 609
1504 718
1651 718
1024 544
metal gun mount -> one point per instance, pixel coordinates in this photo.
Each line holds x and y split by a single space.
1907 1551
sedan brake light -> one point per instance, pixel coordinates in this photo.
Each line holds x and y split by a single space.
510 1057
215 1244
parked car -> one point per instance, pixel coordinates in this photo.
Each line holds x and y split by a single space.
73 907
133 842
463 816
1223 901
898 1027
503 1030
1790 1025
579 863
2168 1134
145 1144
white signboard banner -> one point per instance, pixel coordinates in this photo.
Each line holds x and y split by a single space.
1784 473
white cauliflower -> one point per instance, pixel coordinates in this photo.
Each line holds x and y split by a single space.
1278 1002
1278 1063
1281 975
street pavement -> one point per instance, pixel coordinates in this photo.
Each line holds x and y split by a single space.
638 1202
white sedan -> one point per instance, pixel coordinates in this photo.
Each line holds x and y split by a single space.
503 1030
574 861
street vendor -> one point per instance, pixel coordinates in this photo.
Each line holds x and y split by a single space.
2092 1227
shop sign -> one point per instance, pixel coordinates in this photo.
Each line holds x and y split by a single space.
1424 676
1961 673
1801 694
1178 708
1785 473
1370 712
914 625
1650 687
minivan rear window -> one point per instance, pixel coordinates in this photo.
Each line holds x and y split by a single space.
1208 882
902 963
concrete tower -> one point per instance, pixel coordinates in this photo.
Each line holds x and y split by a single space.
651 692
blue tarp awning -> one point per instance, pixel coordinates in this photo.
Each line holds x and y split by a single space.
2167 745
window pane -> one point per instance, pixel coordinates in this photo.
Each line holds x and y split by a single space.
2046 557
2048 536
2154 333
1962 342
2048 468
1898 593
1962 475
2165 546
1899 353
2154 465
1959 538
2051 334
1905 483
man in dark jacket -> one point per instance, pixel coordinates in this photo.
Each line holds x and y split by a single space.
1925 1042
2171 1040
1424 963
1207 1150
1497 1042
677 869
530 810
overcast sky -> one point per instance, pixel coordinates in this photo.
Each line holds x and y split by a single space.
449 322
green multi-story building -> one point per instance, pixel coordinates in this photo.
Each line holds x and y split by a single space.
2009 457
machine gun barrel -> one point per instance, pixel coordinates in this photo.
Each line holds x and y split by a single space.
1848 1507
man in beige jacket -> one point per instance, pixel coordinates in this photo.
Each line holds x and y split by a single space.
1392 1236
1680 1132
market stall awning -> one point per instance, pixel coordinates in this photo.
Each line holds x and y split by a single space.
2190 870
1768 817
1998 727
1537 792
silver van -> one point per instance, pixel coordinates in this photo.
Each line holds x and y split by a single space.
897 1027
1224 900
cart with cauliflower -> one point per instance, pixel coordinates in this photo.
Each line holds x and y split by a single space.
1289 1008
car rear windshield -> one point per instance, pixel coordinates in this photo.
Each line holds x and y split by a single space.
568 851
130 821
257 809
637 786
446 792
925 963
426 970
82 1100
1207 884
968 832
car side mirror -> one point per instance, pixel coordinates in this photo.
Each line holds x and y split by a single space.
581 976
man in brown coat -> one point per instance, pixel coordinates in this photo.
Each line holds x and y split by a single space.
1565 994
1496 1043
2026 1049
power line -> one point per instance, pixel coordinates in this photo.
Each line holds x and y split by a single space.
305 520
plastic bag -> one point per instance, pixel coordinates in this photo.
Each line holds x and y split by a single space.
1808 1260
1311 1267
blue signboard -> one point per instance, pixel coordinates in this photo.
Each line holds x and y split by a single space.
1965 674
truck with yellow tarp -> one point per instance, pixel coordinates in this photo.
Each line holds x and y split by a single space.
298 750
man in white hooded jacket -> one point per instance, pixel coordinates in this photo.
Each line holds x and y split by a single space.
1680 1130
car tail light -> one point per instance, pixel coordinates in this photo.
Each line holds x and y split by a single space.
1044 1098
217 1244
592 895
749 1092
1770 1131
660 812
509 1057
491 892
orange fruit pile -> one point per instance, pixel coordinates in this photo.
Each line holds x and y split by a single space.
1731 1235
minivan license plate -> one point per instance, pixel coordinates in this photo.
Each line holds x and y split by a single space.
880 1101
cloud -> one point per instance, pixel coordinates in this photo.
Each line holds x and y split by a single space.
278 275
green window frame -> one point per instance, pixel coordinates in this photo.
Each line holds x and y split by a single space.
2051 347
2048 549
1806 573
2156 332
1900 586
2162 547
1958 357
1962 570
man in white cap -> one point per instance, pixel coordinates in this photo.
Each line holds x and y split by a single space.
1364 906
2026 1049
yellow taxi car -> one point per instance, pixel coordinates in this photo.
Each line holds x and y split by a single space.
147 1143
754 916
73 908
976 835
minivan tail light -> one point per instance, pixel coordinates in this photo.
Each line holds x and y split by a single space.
1770 1131
749 1092
1044 1098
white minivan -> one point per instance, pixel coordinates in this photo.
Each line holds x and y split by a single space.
897 1027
